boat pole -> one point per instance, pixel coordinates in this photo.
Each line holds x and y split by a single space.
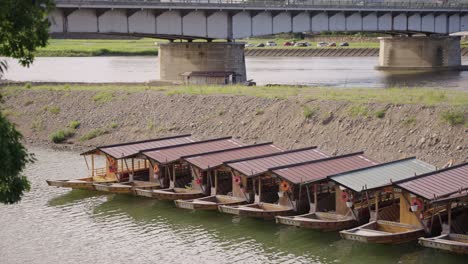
92 165
377 198
449 205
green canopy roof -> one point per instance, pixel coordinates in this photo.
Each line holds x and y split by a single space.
382 175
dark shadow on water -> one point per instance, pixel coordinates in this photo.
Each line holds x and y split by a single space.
420 78
271 237
72 196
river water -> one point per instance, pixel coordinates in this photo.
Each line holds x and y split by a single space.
54 225
330 71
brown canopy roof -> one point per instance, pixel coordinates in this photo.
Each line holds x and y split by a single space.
215 159
437 184
319 170
257 165
172 154
129 149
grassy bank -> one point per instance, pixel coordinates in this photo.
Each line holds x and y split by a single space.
98 47
421 96
146 47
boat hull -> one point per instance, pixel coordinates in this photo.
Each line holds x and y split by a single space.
209 203
83 184
170 194
455 243
257 210
125 188
372 233
319 221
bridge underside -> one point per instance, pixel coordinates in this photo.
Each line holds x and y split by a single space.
234 24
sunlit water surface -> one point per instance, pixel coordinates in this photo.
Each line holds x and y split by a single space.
319 71
53 225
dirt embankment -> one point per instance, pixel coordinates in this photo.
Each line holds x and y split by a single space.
336 127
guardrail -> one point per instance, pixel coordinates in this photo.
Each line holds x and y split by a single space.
377 4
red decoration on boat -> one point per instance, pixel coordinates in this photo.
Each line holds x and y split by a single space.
237 180
345 196
198 181
418 202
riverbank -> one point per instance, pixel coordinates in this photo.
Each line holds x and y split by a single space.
148 47
387 124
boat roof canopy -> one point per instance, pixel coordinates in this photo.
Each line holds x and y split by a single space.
174 153
215 159
130 149
382 175
438 184
319 170
261 164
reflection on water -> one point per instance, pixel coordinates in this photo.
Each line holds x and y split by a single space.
323 71
53 225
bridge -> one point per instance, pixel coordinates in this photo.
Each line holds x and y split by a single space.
237 19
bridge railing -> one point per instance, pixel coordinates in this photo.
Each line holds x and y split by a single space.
409 4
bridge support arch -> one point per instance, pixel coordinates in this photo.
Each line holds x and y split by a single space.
179 58
420 53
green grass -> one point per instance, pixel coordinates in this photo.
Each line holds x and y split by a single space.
93 134
103 97
61 135
113 125
380 113
309 112
37 125
358 110
74 124
52 109
98 47
453 117
422 96
409 121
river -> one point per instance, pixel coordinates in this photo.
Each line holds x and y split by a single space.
317 71
53 225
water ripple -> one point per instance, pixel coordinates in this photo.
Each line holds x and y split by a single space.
53 225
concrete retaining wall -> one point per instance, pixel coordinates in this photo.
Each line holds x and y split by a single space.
320 52
419 52
178 58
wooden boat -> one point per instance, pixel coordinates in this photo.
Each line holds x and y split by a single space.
125 187
384 232
456 243
210 202
83 184
257 210
319 221
170 194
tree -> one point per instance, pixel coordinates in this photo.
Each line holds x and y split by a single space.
23 27
14 158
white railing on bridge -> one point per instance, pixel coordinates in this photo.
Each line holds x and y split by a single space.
377 4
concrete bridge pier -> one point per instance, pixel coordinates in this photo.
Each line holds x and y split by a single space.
420 53
176 59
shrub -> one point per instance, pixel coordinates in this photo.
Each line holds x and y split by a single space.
61 135
103 97
114 125
93 134
453 117
309 112
28 86
380 113
29 102
74 124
